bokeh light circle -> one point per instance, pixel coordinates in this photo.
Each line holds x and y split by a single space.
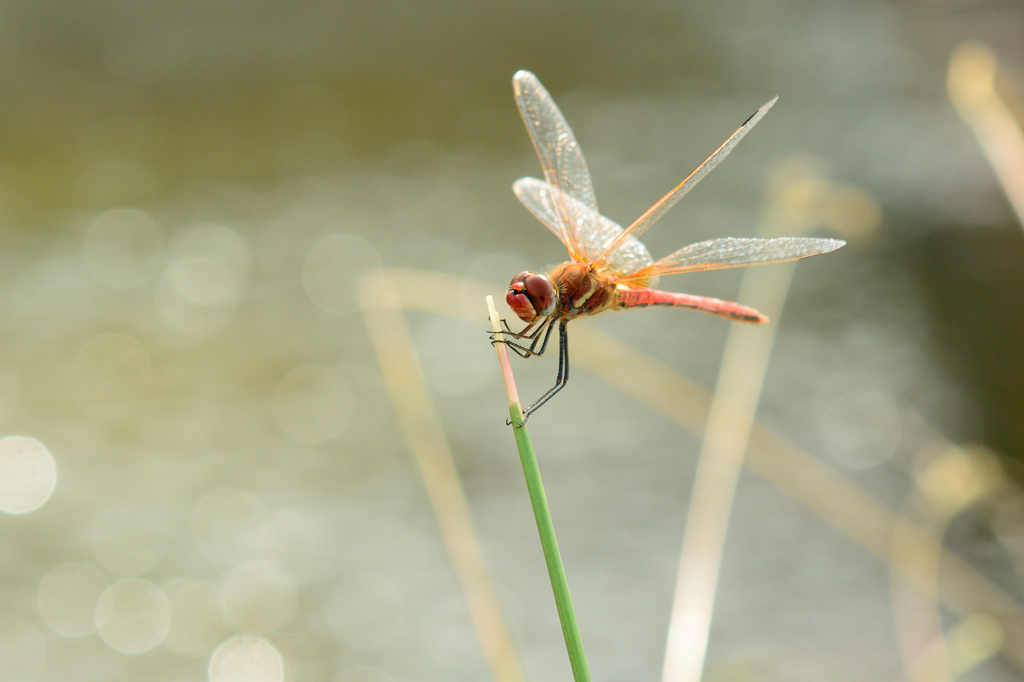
209 263
188 318
203 280
132 616
124 248
246 659
67 598
337 268
28 474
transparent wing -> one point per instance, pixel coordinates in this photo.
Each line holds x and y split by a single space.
659 209
564 166
540 198
735 252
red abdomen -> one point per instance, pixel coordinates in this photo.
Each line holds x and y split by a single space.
641 298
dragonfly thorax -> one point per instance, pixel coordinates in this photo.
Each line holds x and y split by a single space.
582 290
531 296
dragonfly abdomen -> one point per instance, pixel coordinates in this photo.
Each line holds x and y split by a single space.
641 298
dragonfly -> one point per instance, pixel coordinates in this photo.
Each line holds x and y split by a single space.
608 267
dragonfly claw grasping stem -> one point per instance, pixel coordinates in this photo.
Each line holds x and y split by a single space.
519 425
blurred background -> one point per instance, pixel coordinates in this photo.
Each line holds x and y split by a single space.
205 476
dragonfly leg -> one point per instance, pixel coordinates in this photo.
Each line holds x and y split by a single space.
508 329
539 335
531 350
525 333
563 371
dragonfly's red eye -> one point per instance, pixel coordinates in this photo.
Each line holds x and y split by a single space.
517 299
542 294
530 296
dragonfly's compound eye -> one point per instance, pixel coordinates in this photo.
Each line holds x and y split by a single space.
531 296
517 298
541 292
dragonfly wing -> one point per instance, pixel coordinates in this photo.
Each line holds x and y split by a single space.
565 169
735 252
540 198
632 256
659 209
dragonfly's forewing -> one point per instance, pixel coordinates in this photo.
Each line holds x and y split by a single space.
659 209
565 169
736 252
539 197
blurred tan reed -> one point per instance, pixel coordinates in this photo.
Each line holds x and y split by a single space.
799 199
960 588
421 426
982 96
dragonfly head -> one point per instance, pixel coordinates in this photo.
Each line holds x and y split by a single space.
531 296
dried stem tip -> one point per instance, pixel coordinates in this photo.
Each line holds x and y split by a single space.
506 366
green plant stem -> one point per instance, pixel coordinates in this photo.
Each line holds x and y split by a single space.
559 585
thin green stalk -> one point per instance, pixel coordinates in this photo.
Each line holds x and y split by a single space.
559 585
